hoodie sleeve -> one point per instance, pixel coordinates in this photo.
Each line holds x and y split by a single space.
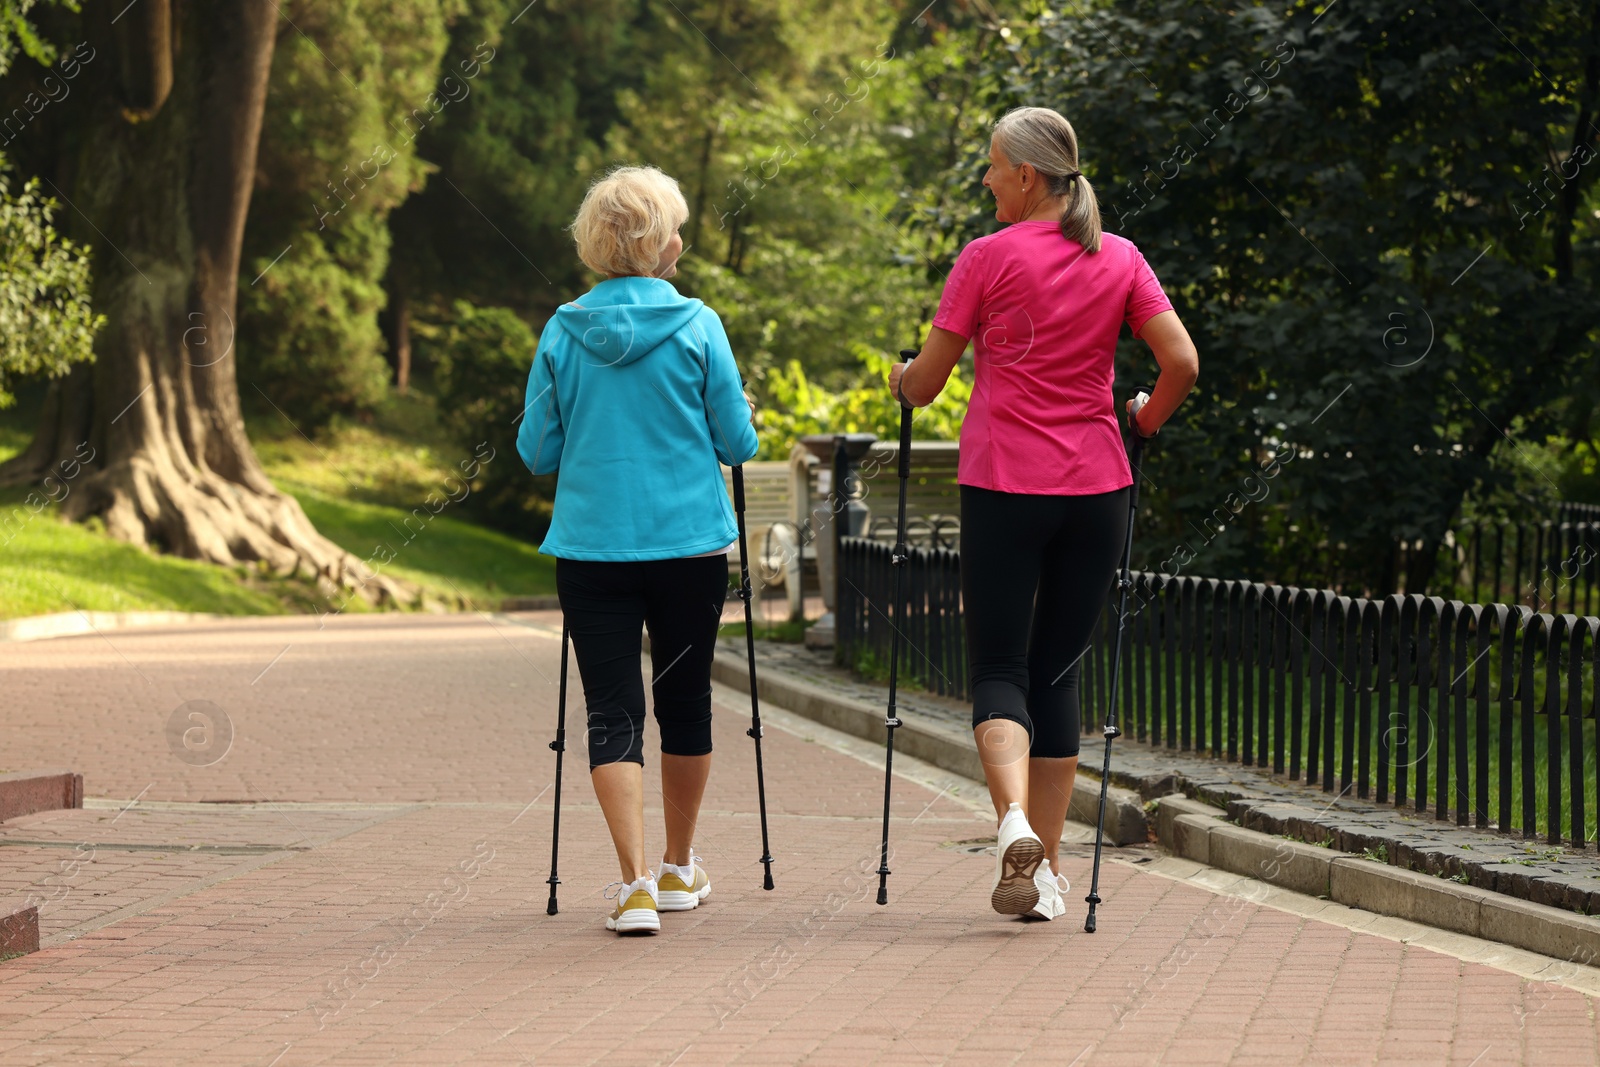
733 434
540 437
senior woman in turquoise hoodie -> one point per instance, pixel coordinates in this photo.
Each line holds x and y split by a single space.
635 399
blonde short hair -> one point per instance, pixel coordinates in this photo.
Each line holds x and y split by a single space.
627 219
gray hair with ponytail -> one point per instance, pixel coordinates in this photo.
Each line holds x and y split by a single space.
1045 140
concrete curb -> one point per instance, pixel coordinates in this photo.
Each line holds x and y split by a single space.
1199 832
24 794
31 791
78 623
75 623
1126 823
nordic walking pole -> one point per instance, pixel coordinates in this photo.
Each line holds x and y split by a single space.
750 650
559 745
1124 583
899 559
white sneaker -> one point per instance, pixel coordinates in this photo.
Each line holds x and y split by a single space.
683 888
636 910
1052 894
1020 852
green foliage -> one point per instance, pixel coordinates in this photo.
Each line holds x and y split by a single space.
314 349
514 156
349 93
797 406
1315 188
46 323
17 32
481 359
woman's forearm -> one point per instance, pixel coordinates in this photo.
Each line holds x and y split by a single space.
1171 389
1180 369
925 377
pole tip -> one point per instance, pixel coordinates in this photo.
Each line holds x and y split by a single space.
550 908
767 882
1088 924
883 894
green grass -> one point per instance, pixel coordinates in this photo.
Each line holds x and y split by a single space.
397 459
789 631
49 566
869 666
446 557
358 483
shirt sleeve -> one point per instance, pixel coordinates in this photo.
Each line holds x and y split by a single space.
963 293
733 435
1145 297
540 436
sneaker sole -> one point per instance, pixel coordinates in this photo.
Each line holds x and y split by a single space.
1016 893
680 900
636 921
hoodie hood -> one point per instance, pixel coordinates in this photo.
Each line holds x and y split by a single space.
622 320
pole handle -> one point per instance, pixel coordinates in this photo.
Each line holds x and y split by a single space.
1141 397
907 354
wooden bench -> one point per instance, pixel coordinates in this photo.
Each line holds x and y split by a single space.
766 503
933 499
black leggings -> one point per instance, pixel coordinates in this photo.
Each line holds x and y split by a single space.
680 602
1035 572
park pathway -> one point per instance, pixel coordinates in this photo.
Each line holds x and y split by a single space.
343 860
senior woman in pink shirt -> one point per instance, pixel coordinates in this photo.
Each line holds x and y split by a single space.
1044 477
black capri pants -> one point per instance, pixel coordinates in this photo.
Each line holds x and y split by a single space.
679 601
1035 572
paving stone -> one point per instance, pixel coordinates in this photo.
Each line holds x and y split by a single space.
394 746
1258 799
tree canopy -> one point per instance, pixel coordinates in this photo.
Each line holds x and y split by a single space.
1378 222
46 323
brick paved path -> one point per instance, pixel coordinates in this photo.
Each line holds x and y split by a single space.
360 878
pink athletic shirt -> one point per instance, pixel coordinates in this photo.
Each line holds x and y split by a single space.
1043 318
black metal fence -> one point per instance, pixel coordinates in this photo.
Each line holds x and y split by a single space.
1543 566
1484 715
934 652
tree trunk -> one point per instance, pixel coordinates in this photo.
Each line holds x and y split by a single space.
162 176
402 342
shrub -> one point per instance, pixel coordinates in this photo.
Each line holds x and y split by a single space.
797 406
314 348
480 362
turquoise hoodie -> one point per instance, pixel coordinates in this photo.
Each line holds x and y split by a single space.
634 397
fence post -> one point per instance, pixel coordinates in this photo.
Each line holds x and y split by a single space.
1388 618
1367 649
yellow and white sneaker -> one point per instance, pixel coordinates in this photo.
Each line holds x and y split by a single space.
636 908
1020 853
683 888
